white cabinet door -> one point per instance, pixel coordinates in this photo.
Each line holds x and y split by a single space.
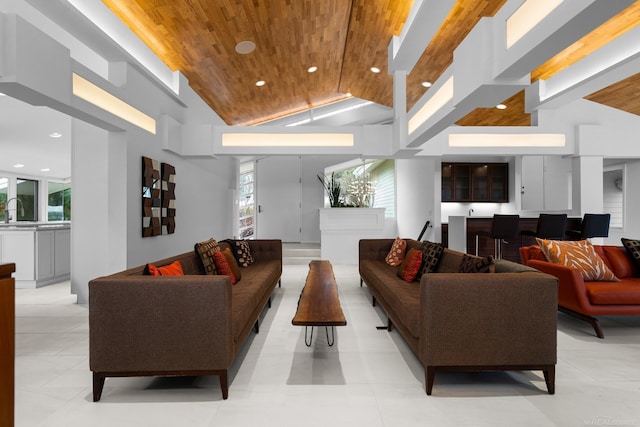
45 254
62 252
19 247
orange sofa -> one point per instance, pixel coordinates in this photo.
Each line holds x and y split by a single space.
584 299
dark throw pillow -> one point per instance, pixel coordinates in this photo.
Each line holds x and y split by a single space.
633 248
474 264
206 250
431 255
241 252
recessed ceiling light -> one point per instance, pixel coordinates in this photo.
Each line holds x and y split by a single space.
45 170
55 134
501 106
260 83
312 69
3 94
245 47
375 70
426 84
18 165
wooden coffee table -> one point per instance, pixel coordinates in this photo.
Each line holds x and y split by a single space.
319 304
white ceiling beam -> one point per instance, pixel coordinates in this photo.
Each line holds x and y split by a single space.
608 65
423 22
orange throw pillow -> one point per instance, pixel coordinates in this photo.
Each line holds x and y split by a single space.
579 255
396 254
173 269
411 265
223 267
233 263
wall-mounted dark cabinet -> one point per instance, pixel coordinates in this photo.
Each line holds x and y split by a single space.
475 182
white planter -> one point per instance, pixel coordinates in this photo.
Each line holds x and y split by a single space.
342 228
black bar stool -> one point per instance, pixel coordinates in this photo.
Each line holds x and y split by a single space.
593 225
549 226
503 228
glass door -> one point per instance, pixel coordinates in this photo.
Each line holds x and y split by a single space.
246 211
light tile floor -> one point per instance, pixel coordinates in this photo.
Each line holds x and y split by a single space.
369 378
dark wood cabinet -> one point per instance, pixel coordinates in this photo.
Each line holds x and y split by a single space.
475 182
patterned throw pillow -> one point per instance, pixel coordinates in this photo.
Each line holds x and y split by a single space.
223 267
242 252
396 254
580 255
173 269
633 248
475 264
206 250
431 254
410 266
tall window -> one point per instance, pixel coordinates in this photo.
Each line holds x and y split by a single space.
59 201
246 210
4 191
27 193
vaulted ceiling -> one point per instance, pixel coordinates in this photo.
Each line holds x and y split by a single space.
342 38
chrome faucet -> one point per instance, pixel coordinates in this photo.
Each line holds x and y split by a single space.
470 212
6 209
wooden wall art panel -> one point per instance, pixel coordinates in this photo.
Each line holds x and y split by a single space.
168 199
151 197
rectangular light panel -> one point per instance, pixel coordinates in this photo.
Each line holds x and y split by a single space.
287 140
528 16
507 140
437 101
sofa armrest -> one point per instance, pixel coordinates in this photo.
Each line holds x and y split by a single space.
572 292
170 323
488 319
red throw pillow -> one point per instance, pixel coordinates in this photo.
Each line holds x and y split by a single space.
223 267
173 269
233 263
411 265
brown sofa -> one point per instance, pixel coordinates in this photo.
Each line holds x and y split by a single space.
467 321
587 299
187 325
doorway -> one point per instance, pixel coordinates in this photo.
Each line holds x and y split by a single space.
279 198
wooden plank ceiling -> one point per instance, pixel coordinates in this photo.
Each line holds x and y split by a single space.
343 38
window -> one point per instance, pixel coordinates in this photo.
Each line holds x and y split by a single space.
27 193
59 201
366 184
4 192
246 208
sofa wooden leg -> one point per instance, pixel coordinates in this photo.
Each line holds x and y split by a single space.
224 384
256 327
389 324
98 384
589 319
279 283
373 301
550 379
429 377
361 282
269 302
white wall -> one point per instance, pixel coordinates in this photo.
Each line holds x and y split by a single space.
418 187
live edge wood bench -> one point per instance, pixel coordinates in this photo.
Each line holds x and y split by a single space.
319 304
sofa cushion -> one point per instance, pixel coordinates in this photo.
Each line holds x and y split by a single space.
231 259
619 261
410 266
396 255
173 269
402 299
206 250
580 255
624 292
633 247
475 264
431 255
223 267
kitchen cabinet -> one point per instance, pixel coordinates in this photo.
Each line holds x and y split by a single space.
475 182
